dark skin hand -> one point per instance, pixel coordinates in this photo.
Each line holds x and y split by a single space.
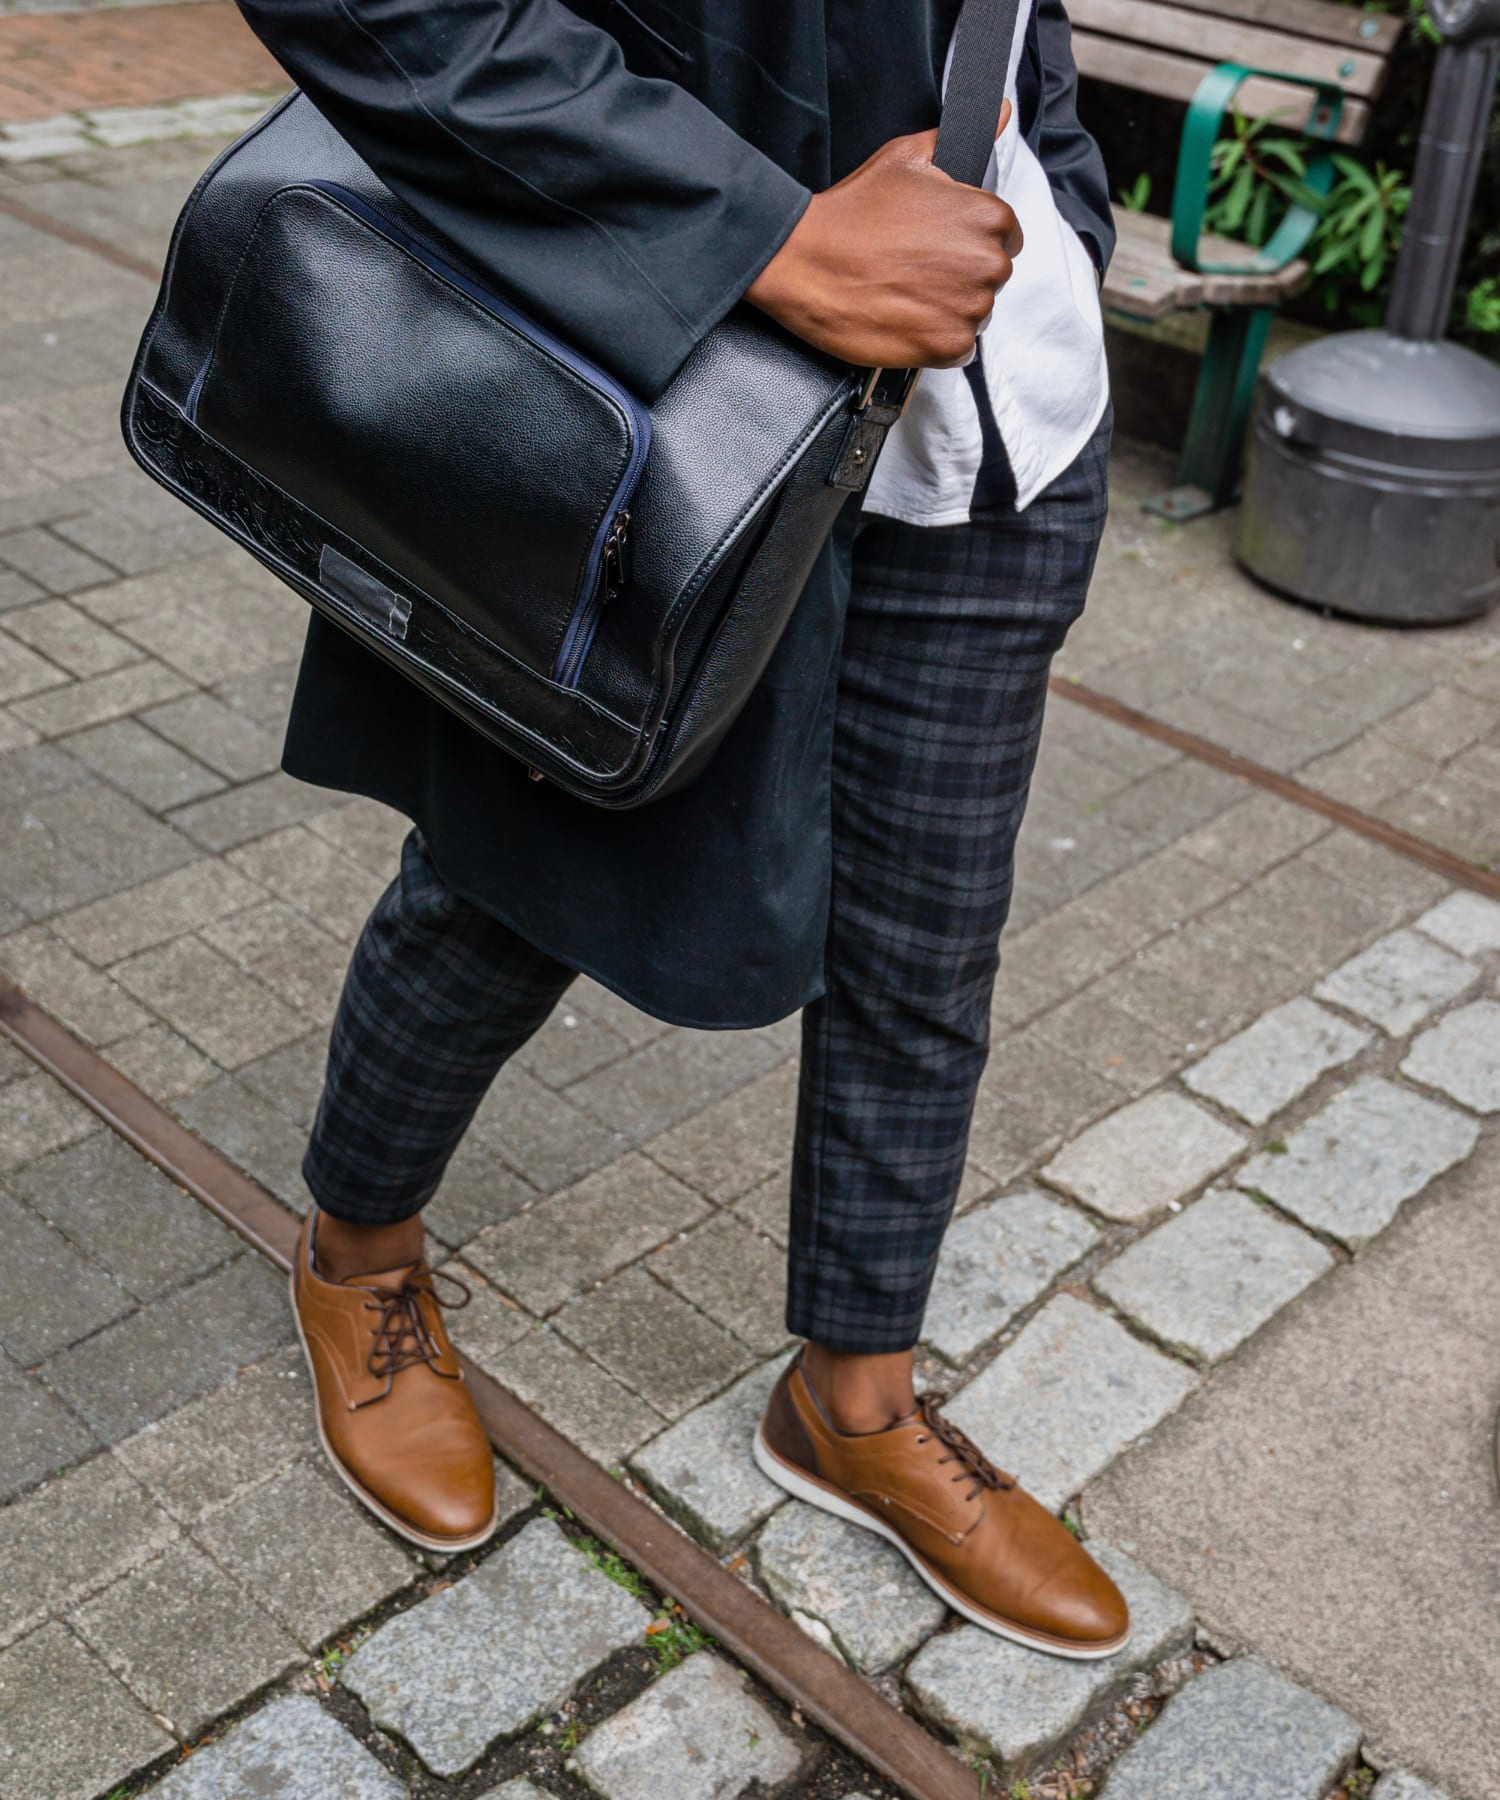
896 266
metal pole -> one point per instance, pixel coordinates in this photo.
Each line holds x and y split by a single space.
1449 155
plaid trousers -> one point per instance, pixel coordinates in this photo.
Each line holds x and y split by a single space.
942 683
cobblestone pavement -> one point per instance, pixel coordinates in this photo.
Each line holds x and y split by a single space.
1238 1052
54 61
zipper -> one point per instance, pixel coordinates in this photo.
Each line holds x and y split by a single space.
605 570
612 579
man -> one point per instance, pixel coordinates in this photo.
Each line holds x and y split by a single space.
628 173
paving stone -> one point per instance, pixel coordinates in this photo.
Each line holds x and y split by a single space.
658 1345
569 1046
311 875
48 1682
996 1260
492 1654
217 735
156 912
701 1470
518 1789
697 1734
1398 981
184 1638
227 1014
1462 1056
1144 1156
1350 1167
1467 923
1015 1704
767 1209
225 821
1301 916
290 1750
298 962
71 1537
479 1190
1066 1397
146 766
166 1354
364 829
733 1274
58 566
126 1214
1269 1064
1204 1281
603 1418
39 1115
50 1296
565 1243
38 1435
307 1551
202 1456
671 1078
1241 1729
101 697
69 638
252 1133
161 1063
1401 1784
542 1135
86 1001
846 1586
736 1143
291 1078
1110 1042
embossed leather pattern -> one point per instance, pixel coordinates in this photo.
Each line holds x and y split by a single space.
594 585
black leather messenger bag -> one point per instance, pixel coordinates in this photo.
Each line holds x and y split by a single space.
594 584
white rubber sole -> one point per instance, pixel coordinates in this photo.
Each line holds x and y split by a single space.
815 1493
444 1546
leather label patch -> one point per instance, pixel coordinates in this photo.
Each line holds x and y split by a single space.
381 606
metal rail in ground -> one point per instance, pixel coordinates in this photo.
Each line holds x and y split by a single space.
1286 787
822 1688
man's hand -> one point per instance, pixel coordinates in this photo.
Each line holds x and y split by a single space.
896 266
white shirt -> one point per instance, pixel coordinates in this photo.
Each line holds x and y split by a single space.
1043 361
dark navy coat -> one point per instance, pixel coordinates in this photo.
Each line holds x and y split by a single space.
647 160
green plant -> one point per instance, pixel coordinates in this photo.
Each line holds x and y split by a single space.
1360 231
1137 197
1257 172
673 1637
1482 306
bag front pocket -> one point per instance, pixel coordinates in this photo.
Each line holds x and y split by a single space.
346 335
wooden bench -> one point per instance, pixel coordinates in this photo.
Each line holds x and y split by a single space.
1320 68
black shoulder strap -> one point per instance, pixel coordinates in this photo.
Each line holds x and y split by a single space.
976 88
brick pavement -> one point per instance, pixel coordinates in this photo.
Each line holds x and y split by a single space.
620 1204
59 62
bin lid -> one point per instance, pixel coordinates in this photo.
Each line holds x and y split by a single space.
1396 401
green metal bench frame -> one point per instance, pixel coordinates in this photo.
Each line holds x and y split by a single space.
1208 473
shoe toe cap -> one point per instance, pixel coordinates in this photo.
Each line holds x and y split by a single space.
1085 1607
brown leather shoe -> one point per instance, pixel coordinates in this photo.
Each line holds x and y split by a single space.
394 1415
978 1540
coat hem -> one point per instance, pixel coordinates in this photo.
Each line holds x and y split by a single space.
620 989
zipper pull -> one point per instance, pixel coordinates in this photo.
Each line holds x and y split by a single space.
616 565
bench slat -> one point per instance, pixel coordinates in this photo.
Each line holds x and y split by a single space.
1145 283
1175 77
1216 38
1376 33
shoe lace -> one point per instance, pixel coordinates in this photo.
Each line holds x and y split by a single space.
974 1465
402 1335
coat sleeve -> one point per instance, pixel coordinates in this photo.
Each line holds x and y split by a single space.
1068 153
633 217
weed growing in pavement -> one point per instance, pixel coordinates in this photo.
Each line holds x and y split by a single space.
674 1637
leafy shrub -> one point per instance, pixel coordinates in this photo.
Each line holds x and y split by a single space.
1260 169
